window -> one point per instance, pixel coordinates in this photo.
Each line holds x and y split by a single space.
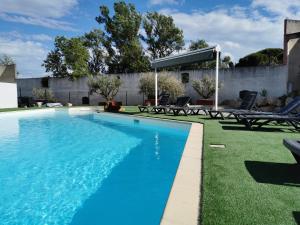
185 77
45 82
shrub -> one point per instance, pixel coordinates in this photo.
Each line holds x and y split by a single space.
170 85
43 93
205 87
147 85
106 86
166 84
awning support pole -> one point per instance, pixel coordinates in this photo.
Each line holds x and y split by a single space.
156 89
217 77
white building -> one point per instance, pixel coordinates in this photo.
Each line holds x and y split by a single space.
8 87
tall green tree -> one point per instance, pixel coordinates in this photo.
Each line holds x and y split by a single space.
68 59
96 43
265 57
198 44
161 35
124 48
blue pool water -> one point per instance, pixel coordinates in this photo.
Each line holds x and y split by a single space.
90 168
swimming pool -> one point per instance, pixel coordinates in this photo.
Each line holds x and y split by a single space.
86 168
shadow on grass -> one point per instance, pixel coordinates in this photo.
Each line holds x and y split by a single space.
262 129
296 216
274 173
234 122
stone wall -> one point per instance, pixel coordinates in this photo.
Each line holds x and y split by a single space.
272 78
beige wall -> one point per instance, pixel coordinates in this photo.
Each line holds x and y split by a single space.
292 48
8 87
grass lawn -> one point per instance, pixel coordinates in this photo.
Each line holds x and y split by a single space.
253 181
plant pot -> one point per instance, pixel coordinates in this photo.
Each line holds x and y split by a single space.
209 102
39 104
112 106
69 104
149 102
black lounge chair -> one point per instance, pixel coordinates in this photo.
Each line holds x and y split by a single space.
181 105
163 101
286 110
248 103
294 147
257 121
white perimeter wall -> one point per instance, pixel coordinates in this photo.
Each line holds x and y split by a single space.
272 78
8 95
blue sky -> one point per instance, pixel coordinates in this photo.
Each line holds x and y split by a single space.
28 27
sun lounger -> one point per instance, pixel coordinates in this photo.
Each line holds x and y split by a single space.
163 101
294 147
257 121
180 106
166 108
248 103
288 109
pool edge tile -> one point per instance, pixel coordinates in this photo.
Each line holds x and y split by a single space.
184 200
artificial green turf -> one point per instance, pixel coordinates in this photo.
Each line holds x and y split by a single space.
254 180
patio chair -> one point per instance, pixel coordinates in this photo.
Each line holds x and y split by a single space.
288 109
294 147
163 101
180 102
181 105
257 121
248 103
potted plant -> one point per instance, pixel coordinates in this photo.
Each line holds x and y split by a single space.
42 95
206 89
147 87
107 87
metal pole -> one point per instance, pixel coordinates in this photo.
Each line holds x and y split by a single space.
156 87
126 97
217 77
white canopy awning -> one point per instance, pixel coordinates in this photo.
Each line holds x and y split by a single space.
200 55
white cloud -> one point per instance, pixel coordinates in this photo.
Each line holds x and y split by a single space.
239 31
168 2
27 54
287 8
35 12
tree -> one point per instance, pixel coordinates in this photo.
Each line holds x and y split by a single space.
95 42
195 45
106 86
6 60
227 63
123 45
69 58
265 57
198 44
162 36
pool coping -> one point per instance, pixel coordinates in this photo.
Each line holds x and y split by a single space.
183 205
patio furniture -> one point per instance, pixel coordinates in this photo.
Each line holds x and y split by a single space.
181 105
288 109
248 103
180 102
257 121
163 101
294 147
